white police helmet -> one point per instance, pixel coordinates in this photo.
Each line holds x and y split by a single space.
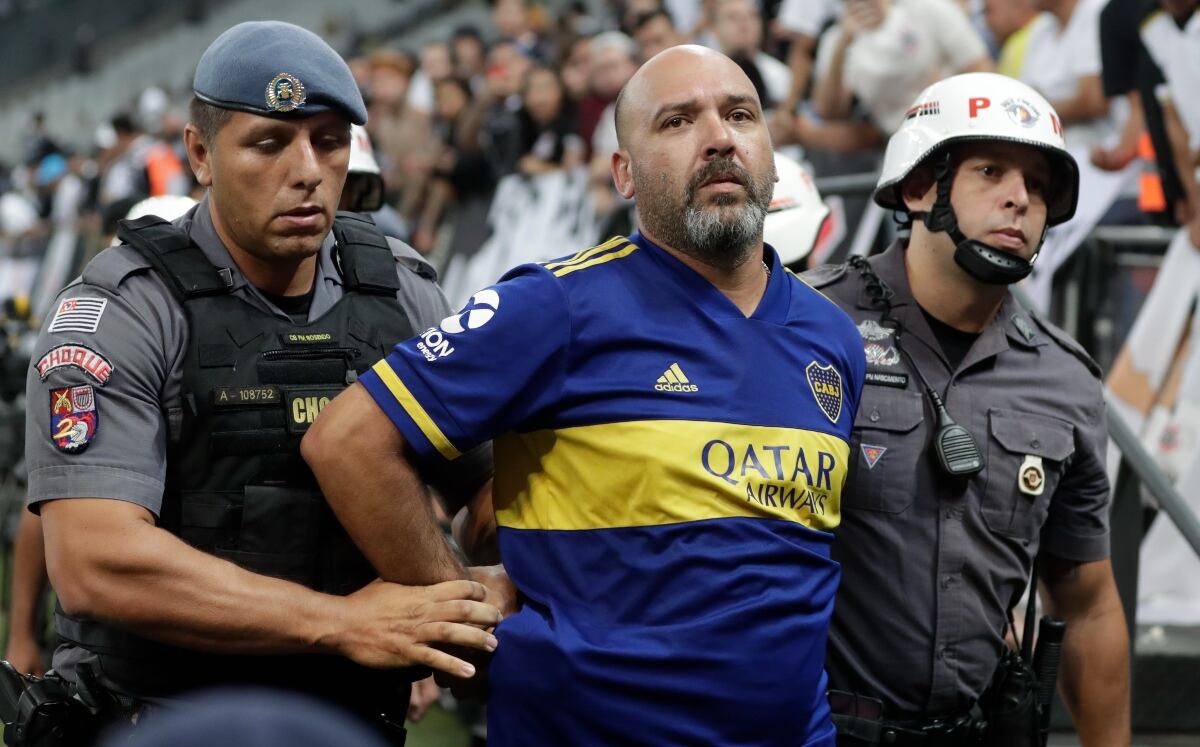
167 207
980 107
363 191
796 214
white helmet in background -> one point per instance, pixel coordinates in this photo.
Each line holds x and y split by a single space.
363 191
796 214
978 107
167 207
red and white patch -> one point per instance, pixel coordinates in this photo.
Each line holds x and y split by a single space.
76 356
78 314
872 454
74 419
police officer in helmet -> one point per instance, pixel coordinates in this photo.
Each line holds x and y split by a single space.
187 540
979 443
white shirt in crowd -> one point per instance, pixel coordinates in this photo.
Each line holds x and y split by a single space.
1177 53
1056 58
776 75
808 17
919 43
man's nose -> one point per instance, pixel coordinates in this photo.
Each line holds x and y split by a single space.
718 139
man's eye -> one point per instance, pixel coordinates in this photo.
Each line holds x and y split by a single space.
989 170
267 146
740 116
675 122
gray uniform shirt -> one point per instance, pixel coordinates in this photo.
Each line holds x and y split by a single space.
930 565
131 353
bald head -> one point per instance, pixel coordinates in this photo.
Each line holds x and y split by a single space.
679 76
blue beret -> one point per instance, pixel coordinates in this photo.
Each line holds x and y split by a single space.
276 69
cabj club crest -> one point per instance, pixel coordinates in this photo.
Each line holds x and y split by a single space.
826 385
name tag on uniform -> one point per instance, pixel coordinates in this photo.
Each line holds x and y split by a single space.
302 339
243 396
879 378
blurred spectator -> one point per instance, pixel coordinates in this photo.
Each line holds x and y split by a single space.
62 189
37 144
654 31
800 24
470 57
860 57
140 165
1062 61
575 68
1173 39
437 64
737 26
501 133
513 22
549 129
613 63
1010 21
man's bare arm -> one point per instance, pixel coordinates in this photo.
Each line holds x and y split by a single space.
1087 103
29 581
1094 678
108 561
361 461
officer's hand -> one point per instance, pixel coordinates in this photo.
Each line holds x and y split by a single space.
390 625
24 655
501 592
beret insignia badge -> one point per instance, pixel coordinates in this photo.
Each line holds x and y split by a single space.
285 93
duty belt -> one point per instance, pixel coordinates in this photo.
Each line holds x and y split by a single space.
861 718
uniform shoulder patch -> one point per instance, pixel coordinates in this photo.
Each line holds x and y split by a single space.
113 265
819 277
1068 343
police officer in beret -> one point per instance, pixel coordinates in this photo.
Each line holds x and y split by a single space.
979 443
187 540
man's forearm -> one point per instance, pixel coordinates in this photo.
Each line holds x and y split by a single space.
161 587
358 457
29 576
1094 680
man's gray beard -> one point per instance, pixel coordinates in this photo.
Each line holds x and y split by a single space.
721 235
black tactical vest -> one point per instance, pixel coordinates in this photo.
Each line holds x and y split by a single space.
237 486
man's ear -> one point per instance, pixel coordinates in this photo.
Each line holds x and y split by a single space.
199 155
919 190
622 174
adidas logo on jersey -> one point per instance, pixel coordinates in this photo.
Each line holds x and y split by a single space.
674 380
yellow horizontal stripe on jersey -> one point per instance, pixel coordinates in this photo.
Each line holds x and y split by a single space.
415 411
597 261
587 253
655 472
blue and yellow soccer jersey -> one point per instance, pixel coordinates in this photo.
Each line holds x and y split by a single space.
667 476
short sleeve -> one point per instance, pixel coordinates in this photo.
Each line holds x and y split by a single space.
828 43
1077 526
95 425
958 43
1085 41
482 371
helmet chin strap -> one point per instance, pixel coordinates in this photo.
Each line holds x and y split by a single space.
985 263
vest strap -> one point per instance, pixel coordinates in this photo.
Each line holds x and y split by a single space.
367 263
172 252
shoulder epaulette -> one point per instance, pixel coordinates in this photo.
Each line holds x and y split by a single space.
111 266
1068 343
819 277
411 259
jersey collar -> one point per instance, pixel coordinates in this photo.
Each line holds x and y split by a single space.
772 307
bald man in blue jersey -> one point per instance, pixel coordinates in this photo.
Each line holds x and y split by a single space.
671 414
